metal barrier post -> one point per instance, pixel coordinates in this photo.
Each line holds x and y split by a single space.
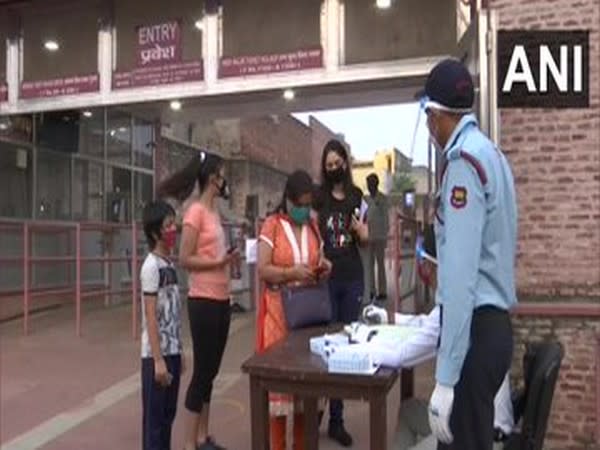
134 281
26 276
78 279
256 292
77 287
396 265
107 253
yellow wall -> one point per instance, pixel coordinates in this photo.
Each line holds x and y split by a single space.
379 165
360 175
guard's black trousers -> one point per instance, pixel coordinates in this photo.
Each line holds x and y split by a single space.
484 369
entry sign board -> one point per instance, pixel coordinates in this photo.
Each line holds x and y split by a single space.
159 52
543 69
159 44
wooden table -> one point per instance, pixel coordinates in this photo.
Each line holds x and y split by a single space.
290 367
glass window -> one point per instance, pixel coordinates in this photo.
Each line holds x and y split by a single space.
144 193
72 131
3 37
60 41
119 137
143 144
408 29
15 173
53 186
17 128
118 195
58 131
292 25
91 132
87 190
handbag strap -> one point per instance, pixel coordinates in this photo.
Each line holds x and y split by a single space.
300 252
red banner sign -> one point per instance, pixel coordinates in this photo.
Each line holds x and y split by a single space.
152 76
282 62
3 92
60 86
159 59
159 44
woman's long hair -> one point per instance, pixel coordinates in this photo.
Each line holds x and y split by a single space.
181 184
335 146
297 184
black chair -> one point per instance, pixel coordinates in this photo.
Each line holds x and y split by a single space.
541 365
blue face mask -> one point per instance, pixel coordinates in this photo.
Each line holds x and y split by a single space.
299 214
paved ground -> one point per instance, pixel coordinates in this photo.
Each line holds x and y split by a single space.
59 392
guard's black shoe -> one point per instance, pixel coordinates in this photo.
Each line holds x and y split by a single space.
338 433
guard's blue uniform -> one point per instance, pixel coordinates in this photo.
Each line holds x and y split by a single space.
476 231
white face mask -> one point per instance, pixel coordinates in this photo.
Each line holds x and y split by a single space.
436 144
425 104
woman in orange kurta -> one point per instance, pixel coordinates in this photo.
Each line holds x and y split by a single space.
289 254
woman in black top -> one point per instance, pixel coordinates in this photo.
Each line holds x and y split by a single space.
337 204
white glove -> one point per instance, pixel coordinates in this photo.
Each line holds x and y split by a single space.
440 408
408 320
374 315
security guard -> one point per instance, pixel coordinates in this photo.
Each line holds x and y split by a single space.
476 230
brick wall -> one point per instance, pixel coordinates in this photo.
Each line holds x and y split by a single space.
555 155
573 418
556 162
251 178
260 151
278 141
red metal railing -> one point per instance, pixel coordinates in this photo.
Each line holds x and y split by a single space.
30 229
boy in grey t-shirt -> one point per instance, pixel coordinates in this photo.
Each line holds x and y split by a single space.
161 348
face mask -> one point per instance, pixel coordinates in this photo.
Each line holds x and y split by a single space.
169 237
337 175
224 190
433 134
299 214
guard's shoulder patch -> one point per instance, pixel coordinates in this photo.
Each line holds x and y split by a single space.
468 157
458 197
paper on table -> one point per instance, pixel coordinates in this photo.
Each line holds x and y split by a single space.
391 335
352 359
251 251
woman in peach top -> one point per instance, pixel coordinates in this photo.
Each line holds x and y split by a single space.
204 255
289 253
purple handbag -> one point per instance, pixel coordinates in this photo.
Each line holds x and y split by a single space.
306 306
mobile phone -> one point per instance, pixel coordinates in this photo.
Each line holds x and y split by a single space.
319 270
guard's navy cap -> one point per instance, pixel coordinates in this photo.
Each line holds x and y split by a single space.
449 87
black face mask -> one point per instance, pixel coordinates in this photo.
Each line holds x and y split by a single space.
336 176
372 189
224 190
